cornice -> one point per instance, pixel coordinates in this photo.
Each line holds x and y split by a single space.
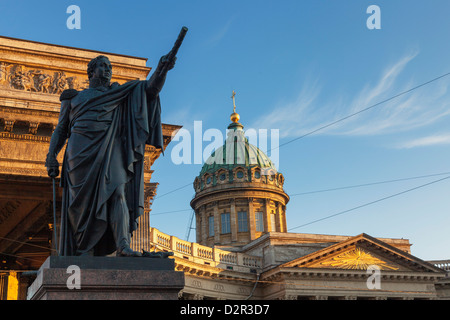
10 112
244 191
343 274
24 137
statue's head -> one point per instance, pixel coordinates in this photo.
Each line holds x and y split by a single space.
100 68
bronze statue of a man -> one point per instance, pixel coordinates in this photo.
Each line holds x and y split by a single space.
106 127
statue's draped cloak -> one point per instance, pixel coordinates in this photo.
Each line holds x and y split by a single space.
108 132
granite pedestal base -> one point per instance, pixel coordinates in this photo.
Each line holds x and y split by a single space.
107 278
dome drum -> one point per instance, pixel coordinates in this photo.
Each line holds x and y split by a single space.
232 222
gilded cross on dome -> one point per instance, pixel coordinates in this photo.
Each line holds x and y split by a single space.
234 116
234 101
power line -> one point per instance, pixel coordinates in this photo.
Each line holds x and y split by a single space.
338 188
191 219
166 212
19 257
28 244
367 184
370 203
182 187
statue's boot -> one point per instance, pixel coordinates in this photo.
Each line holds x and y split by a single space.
126 251
160 254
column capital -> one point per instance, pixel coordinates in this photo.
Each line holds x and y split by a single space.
33 128
9 125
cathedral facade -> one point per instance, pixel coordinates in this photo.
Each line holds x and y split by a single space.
243 250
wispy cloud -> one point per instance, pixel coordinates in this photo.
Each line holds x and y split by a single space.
292 114
184 117
219 34
433 140
417 109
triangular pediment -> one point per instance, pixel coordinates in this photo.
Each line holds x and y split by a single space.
360 253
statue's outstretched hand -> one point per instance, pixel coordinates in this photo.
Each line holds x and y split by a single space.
166 63
157 80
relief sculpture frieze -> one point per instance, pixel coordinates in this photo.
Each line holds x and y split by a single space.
21 77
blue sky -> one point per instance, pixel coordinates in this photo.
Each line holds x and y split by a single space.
296 66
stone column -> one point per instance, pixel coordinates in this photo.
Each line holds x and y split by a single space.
251 219
266 216
204 226
233 221
279 218
282 213
141 236
216 223
198 225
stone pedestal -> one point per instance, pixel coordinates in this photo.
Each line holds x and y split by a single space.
106 278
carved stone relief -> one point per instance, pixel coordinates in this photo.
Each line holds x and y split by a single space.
20 77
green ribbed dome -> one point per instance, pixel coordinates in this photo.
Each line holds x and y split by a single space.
237 152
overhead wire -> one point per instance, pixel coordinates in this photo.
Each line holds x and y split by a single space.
165 194
27 243
338 188
370 203
368 184
166 212
20 257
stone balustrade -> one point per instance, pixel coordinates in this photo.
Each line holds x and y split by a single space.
204 255
443 264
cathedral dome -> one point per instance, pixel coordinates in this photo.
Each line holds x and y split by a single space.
237 152
239 193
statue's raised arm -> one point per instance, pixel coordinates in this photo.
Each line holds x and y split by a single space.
166 63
